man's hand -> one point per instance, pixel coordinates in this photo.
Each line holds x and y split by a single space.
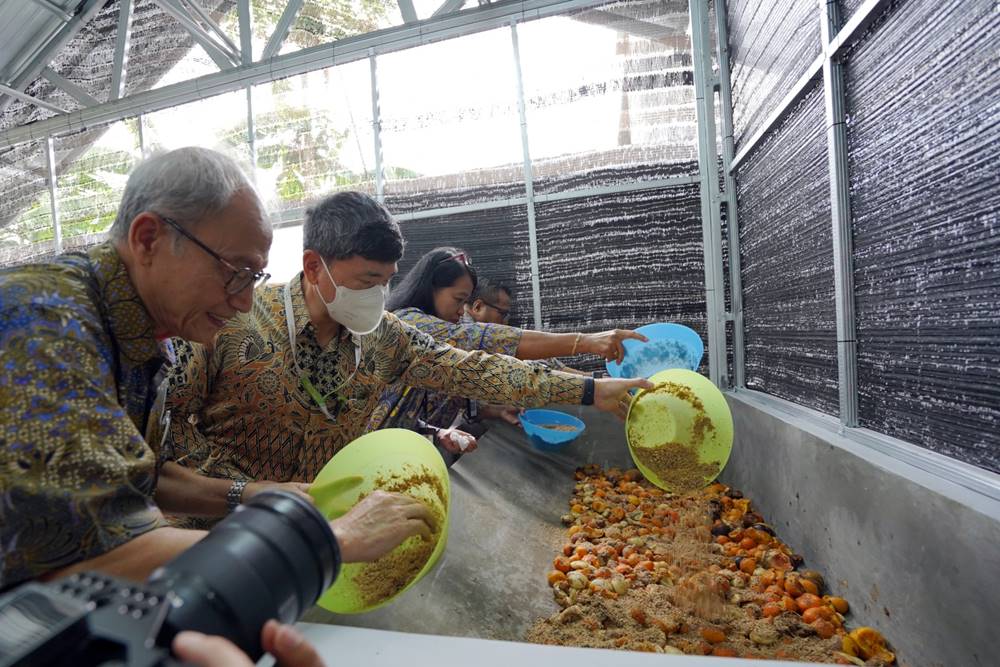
300 489
284 642
378 524
505 413
611 394
457 442
608 344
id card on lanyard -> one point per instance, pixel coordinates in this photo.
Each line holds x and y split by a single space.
307 384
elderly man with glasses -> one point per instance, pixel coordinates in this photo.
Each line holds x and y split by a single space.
83 341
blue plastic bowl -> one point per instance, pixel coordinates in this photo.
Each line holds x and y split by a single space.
670 346
547 439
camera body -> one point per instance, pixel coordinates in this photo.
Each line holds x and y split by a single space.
270 559
86 619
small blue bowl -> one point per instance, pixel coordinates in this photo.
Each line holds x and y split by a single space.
548 439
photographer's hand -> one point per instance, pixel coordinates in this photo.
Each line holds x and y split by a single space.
378 524
285 643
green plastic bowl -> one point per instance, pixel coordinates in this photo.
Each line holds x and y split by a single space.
660 415
380 455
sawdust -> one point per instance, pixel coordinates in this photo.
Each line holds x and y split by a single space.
558 427
677 465
387 576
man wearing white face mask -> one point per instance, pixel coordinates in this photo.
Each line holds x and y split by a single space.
292 382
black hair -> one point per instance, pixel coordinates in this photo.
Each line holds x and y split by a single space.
352 223
440 268
489 291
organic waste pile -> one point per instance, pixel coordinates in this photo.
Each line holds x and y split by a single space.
697 573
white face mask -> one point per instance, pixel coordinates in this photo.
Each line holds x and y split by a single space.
360 310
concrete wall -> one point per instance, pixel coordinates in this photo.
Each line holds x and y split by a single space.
917 557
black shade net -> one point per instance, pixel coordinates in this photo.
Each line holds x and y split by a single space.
923 90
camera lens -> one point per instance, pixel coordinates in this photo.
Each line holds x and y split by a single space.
272 558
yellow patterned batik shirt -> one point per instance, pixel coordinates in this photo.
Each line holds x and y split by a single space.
239 411
78 378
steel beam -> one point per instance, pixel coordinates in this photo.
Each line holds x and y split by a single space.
50 159
407 11
708 165
377 128
216 52
788 102
207 20
123 39
448 7
35 62
863 17
840 208
140 121
55 9
24 97
251 135
281 30
294 217
529 183
70 88
834 47
729 183
299 62
246 33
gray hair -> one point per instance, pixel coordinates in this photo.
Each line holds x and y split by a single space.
185 184
352 223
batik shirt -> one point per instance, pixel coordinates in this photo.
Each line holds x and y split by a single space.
410 404
78 377
239 410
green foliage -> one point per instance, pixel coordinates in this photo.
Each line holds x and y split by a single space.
321 21
88 192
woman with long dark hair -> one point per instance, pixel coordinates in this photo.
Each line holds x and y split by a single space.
432 298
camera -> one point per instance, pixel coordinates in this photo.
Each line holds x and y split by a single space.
271 558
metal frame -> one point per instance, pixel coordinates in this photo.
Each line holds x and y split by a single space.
509 13
42 104
835 40
729 196
350 49
944 467
529 183
246 33
281 30
294 217
377 128
838 43
219 52
35 62
50 161
55 9
711 222
123 39
76 92
407 11
840 209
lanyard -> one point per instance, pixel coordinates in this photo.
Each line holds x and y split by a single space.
307 384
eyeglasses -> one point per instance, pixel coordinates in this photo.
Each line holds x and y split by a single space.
240 278
504 314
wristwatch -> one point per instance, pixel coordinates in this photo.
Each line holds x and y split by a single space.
235 494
